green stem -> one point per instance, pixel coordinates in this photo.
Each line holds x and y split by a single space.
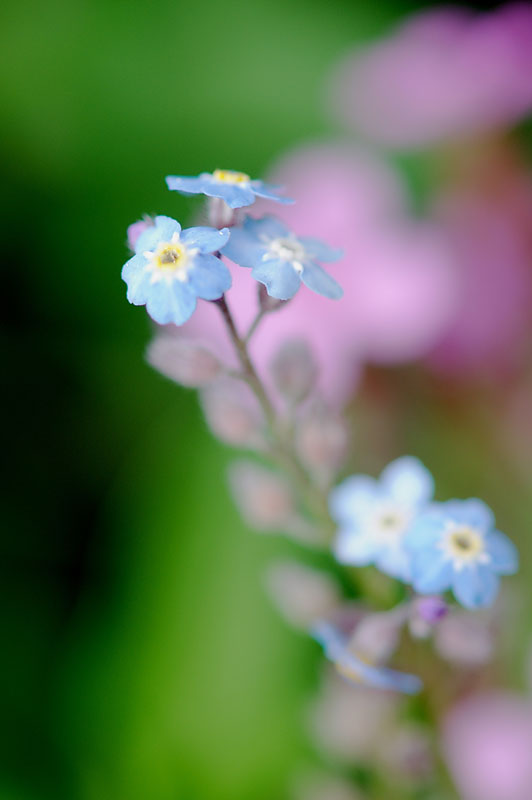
281 449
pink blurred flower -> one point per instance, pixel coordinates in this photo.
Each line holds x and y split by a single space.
488 227
487 741
444 74
399 288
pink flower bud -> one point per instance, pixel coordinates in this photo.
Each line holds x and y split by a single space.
376 637
263 497
465 638
135 229
268 303
183 360
294 370
302 594
322 441
348 723
232 413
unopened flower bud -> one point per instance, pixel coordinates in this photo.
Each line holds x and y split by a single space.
425 613
465 638
268 303
349 723
220 214
376 636
135 229
183 360
322 440
302 594
294 370
263 497
233 414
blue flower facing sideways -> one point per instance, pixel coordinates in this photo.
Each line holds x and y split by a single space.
280 260
171 268
454 545
235 188
374 516
357 671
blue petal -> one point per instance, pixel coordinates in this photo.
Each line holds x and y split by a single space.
353 547
137 279
319 250
279 277
432 573
207 240
189 185
408 481
320 281
162 231
234 195
268 227
394 561
503 552
471 512
425 530
475 586
336 651
269 192
244 248
354 498
174 302
209 277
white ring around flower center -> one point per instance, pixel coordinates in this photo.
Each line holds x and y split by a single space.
170 260
464 545
389 521
286 249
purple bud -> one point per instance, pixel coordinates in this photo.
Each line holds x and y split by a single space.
183 360
294 370
432 609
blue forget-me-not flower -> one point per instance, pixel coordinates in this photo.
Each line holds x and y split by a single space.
235 188
280 260
375 515
171 268
454 545
354 669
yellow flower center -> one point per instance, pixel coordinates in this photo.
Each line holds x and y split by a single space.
230 176
465 542
169 256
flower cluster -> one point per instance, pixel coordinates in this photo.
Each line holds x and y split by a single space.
405 567
172 268
392 523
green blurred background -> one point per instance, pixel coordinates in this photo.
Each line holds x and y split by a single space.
141 658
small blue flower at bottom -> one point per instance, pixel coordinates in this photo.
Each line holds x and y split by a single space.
281 260
171 268
375 515
236 188
454 545
354 670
